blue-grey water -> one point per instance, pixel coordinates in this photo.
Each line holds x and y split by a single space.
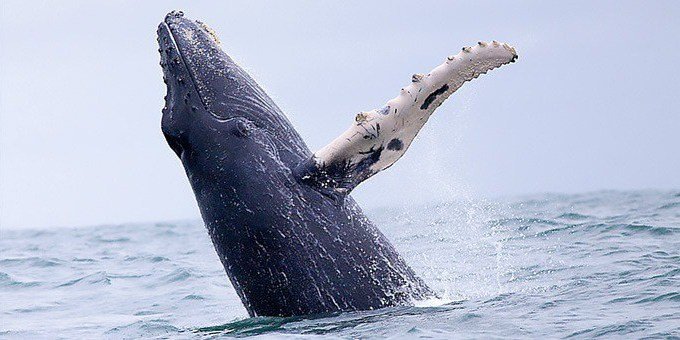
543 266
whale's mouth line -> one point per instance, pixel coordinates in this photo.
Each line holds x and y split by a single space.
186 66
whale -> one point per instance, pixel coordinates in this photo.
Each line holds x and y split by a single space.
290 237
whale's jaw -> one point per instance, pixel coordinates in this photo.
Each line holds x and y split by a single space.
204 84
195 59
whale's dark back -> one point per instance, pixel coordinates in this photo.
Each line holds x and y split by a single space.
287 248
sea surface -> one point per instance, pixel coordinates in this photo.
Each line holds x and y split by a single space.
603 264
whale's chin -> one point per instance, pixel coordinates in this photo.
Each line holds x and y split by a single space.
206 86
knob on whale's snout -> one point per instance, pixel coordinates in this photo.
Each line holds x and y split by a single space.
173 15
242 127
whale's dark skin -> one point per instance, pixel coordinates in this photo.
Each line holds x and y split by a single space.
287 248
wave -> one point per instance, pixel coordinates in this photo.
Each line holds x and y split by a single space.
98 278
33 262
7 281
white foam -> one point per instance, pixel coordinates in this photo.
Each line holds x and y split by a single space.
432 302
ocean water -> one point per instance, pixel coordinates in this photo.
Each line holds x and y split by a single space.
604 264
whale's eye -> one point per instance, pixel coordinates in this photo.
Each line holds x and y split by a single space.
242 128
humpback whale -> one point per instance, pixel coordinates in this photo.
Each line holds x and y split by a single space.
290 237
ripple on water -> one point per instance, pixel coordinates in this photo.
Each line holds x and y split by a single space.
177 275
668 206
193 297
146 258
574 217
103 239
94 279
7 281
142 329
247 327
32 262
673 297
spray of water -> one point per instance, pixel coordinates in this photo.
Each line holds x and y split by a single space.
458 244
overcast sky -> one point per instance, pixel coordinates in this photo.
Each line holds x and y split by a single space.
591 104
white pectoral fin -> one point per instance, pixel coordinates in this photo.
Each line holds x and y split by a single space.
378 138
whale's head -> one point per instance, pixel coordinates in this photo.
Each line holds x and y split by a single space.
213 105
